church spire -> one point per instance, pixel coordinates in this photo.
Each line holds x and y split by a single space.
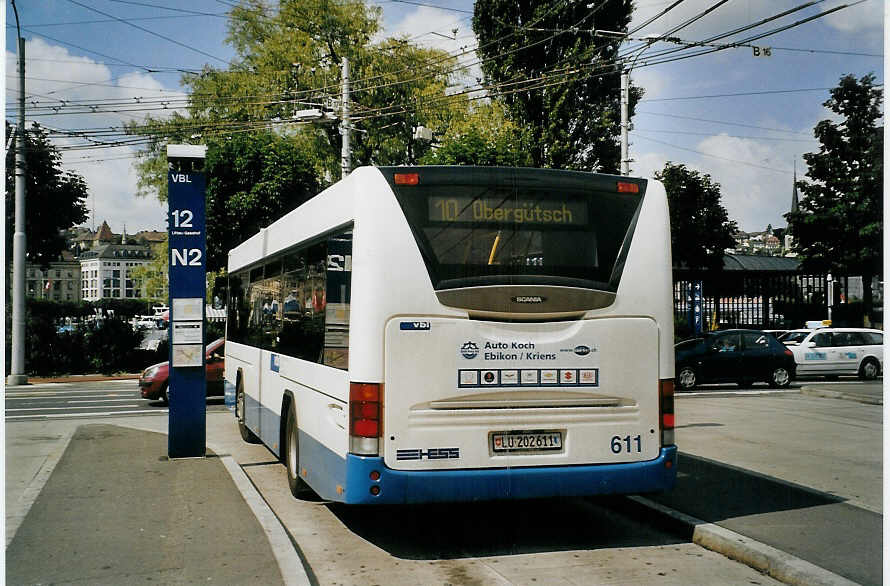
794 200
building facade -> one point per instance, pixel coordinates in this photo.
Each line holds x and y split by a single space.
107 271
58 282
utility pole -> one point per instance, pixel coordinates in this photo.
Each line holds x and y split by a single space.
345 153
625 101
17 374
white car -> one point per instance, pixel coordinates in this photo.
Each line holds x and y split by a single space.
834 351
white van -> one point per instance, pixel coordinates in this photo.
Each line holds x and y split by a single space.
834 351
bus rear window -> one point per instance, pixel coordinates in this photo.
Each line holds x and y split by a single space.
527 226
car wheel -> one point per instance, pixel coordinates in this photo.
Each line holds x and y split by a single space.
165 394
869 369
686 379
780 378
297 485
246 434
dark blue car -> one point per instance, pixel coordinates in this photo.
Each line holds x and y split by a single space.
740 356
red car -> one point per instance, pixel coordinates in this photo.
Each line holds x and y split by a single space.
154 380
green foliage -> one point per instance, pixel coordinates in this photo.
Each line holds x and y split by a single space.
55 199
105 346
153 277
700 226
562 89
253 180
838 226
260 164
481 137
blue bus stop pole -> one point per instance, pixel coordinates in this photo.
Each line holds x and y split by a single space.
186 237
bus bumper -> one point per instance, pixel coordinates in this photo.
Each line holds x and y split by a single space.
428 486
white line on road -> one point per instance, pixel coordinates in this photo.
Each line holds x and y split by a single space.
60 408
99 400
81 415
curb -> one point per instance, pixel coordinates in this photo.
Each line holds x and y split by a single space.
817 392
763 558
290 562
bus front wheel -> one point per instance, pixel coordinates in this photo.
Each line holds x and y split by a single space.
297 485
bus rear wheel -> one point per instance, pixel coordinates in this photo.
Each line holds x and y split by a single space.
246 434
297 485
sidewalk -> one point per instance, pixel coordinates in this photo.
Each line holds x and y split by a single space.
116 511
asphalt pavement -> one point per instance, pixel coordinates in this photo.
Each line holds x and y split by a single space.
116 510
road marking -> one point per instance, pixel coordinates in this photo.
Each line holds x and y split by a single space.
82 415
59 408
15 395
100 400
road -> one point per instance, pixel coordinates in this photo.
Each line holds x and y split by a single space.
84 400
778 442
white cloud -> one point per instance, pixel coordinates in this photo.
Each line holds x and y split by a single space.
56 78
859 18
444 30
754 175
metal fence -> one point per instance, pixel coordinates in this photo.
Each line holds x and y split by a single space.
752 299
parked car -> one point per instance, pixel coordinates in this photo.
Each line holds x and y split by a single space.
741 356
835 351
154 380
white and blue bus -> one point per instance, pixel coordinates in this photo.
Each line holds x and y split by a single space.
422 334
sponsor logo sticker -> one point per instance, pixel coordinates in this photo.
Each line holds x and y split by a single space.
509 377
469 377
549 377
582 350
529 377
414 326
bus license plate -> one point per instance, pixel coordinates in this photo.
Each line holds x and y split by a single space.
526 441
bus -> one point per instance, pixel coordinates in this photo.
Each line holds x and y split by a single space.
429 334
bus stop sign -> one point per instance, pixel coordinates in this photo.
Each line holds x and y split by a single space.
186 237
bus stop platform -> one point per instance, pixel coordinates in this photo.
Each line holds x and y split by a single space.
116 510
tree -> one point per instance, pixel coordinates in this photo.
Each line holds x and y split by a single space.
55 199
482 137
260 163
700 226
838 225
290 60
152 279
559 81
252 181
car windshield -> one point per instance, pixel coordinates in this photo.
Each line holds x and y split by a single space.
794 337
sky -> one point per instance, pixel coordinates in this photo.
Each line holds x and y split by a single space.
744 120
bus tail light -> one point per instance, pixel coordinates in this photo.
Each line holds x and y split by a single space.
365 418
666 410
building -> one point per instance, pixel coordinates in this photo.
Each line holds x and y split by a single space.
60 281
107 271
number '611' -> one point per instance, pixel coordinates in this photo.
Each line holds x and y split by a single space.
626 444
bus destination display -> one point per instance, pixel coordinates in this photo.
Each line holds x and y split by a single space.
508 211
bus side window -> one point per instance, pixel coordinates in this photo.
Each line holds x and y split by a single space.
337 298
302 326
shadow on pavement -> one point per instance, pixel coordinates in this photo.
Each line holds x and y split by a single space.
466 530
815 526
713 491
